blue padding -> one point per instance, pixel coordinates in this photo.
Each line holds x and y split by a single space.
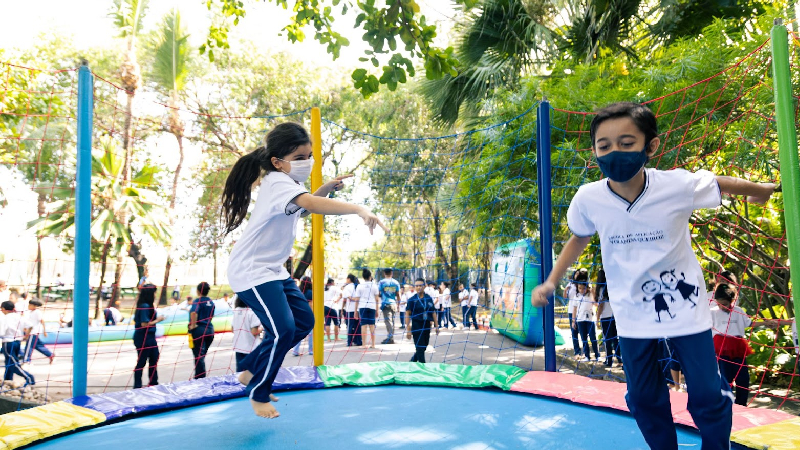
186 393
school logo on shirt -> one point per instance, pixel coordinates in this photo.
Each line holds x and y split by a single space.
667 291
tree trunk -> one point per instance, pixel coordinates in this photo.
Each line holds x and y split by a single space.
103 260
453 273
437 232
117 277
163 297
215 261
304 263
41 211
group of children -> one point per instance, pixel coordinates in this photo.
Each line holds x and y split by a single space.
21 322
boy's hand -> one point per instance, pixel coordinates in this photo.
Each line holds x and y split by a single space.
408 335
763 197
540 294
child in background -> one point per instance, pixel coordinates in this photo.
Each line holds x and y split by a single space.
581 275
366 305
447 302
405 294
246 328
112 314
607 323
333 296
201 328
472 312
641 216
463 297
353 324
583 319
144 336
420 319
729 324
36 322
12 331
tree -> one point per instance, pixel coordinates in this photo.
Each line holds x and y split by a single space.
383 26
128 17
110 199
170 72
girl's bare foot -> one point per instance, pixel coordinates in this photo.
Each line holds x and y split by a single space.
273 398
245 377
265 410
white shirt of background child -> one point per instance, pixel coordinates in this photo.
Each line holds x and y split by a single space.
731 324
244 320
464 297
608 312
433 293
585 307
647 249
347 293
259 255
115 314
570 292
35 321
331 295
365 292
404 301
473 297
12 328
444 298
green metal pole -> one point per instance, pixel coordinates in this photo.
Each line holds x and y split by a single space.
787 152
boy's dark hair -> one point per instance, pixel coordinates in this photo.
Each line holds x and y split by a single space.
305 284
642 117
446 284
203 288
420 280
387 272
475 285
724 291
729 276
35 302
431 283
280 141
239 303
328 283
366 274
8 305
147 295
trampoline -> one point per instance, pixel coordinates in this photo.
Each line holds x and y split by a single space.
356 406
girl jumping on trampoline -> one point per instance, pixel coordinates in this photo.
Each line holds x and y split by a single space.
641 216
256 270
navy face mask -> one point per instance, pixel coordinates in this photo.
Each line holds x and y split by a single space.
622 166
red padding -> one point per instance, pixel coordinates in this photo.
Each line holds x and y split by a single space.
610 394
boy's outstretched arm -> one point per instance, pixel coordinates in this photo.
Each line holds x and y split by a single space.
755 192
572 250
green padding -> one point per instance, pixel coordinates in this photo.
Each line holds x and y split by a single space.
377 373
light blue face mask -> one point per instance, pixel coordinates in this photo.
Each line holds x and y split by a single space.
622 166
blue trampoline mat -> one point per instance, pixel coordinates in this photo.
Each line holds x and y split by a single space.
383 417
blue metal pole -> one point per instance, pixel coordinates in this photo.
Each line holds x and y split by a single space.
83 211
544 172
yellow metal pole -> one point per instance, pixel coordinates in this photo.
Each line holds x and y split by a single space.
317 250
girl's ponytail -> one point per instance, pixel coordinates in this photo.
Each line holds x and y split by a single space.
236 195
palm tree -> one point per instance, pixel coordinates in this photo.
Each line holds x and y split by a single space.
502 40
169 71
128 16
110 199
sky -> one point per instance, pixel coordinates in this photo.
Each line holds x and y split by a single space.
87 22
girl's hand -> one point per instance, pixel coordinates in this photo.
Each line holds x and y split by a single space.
371 220
541 292
337 184
408 335
574 325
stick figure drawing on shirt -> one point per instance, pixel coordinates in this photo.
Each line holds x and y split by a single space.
672 282
652 291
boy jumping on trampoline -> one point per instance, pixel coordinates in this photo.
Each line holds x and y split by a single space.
641 216
256 270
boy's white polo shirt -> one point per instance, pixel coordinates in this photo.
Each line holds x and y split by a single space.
655 282
259 255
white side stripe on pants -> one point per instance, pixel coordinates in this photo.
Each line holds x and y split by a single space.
274 343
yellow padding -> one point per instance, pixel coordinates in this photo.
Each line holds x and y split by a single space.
777 436
23 427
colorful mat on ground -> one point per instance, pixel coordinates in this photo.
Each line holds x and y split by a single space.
752 427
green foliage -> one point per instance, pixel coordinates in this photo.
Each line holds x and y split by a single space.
171 53
383 26
128 16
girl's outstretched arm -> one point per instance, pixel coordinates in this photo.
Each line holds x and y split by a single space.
331 207
755 192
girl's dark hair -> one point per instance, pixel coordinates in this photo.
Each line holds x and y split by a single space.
725 291
203 288
352 278
601 276
35 302
280 141
366 274
642 117
446 284
239 303
305 284
147 295
328 284
729 276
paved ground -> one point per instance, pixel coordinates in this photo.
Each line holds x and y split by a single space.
111 363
